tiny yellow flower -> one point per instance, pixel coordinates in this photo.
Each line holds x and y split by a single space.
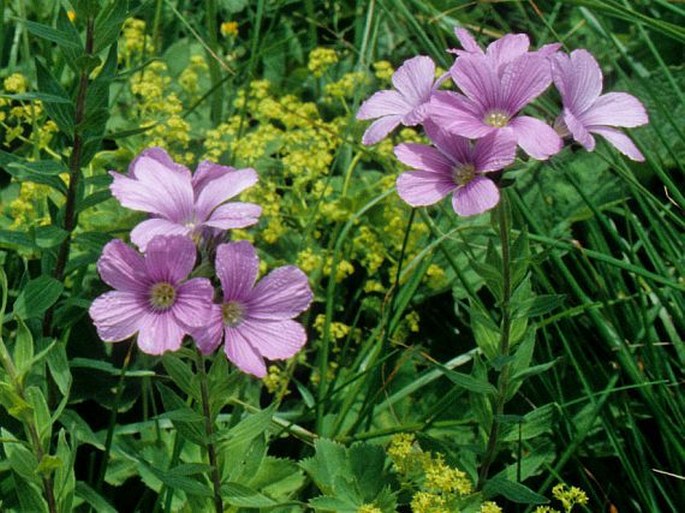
369 508
229 28
320 59
15 83
490 507
71 15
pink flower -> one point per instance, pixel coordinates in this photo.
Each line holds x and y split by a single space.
454 166
151 296
503 50
182 204
407 105
492 101
579 81
255 320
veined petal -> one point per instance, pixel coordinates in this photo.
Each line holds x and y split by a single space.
209 337
161 156
467 41
477 78
455 147
239 350
234 215
457 114
380 128
615 109
384 103
145 231
578 131
548 50
524 79
206 172
416 115
422 156
170 259
236 266
193 303
160 333
507 48
414 79
620 141
535 137
122 267
275 340
495 151
479 195
421 188
284 293
223 188
117 315
578 79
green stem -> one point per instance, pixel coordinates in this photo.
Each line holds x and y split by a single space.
505 328
209 430
214 71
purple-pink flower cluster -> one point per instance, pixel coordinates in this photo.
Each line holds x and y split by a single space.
477 130
153 296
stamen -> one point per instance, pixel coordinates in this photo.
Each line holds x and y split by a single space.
496 118
463 174
232 313
162 296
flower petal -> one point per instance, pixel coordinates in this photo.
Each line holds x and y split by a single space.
524 79
578 131
122 267
535 137
478 196
424 157
161 156
620 141
380 128
236 266
578 79
209 337
239 350
467 41
384 103
222 189
145 231
421 188
507 48
284 293
455 147
615 109
117 315
206 172
495 151
275 340
160 333
457 114
234 215
193 302
477 78
170 259
414 79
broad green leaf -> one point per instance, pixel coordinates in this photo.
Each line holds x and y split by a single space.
79 429
247 429
537 422
49 236
59 367
467 382
333 504
515 492
21 459
176 480
63 38
38 295
182 374
242 496
30 496
108 23
93 498
62 114
66 27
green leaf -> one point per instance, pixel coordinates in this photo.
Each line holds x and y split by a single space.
515 492
23 348
49 236
63 38
182 374
485 331
79 429
467 382
62 114
38 295
178 480
88 363
247 429
48 464
538 305
30 496
21 459
534 370
41 412
537 422
99 503
245 497
335 504
33 96
108 24
12 239
66 27
59 368
35 172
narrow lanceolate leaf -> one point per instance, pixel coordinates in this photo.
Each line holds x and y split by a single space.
38 295
515 492
61 113
468 382
63 38
244 497
33 96
108 24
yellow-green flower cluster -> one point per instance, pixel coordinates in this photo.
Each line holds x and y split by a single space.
189 79
383 70
346 87
569 496
276 381
426 502
229 28
320 59
134 40
29 207
369 508
490 507
15 83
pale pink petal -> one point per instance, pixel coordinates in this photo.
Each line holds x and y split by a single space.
615 109
535 137
284 293
236 266
384 103
455 147
507 48
479 195
578 79
234 215
223 188
457 114
117 315
421 188
208 337
240 351
206 172
379 129
170 259
145 231
121 267
467 41
620 141
193 303
161 156
414 79
421 156
477 78
523 80
416 116
495 151
160 333
548 50
578 131
275 340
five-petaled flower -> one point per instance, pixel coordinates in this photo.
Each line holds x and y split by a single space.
152 296
454 166
255 320
181 203
579 81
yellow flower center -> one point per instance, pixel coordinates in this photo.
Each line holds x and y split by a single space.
232 313
162 296
496 118
463 174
